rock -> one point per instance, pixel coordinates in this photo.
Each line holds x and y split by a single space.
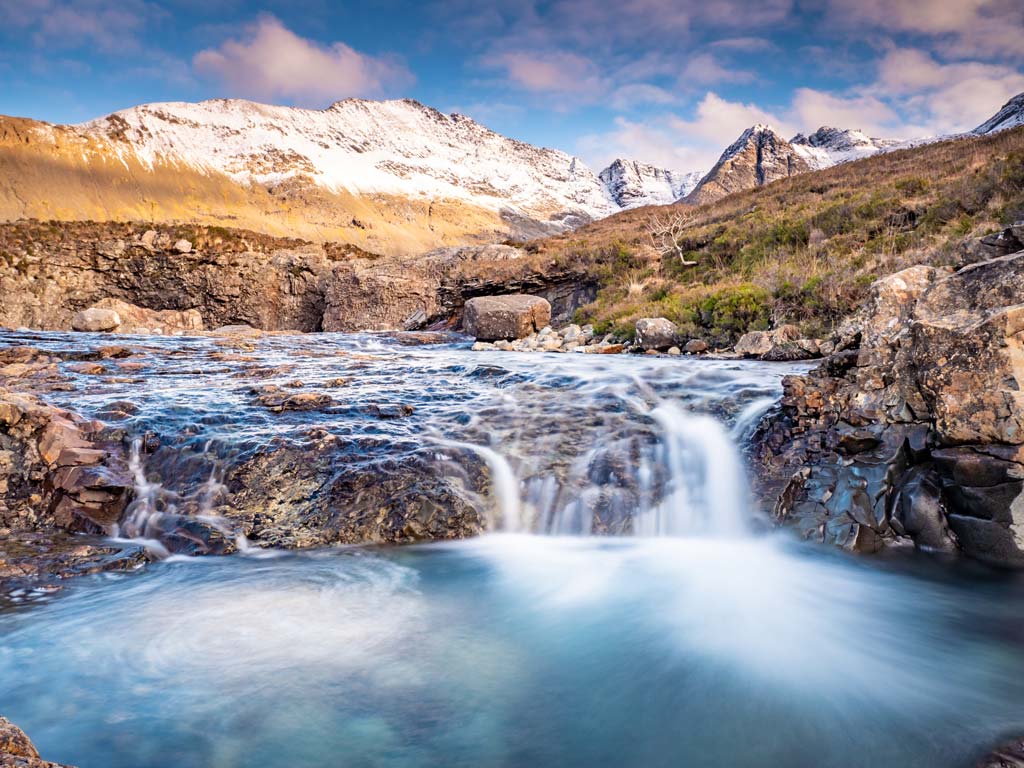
695 347
760 343
514 316
656 333
140 320
18 751
96 320
674 351
182 246
1008 755
917 432
235 330
480 346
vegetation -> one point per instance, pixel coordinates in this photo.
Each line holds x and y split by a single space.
802 250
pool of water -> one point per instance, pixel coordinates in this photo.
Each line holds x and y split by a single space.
523 651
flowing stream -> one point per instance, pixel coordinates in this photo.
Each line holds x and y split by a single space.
684 635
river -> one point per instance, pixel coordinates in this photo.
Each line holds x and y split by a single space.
687 634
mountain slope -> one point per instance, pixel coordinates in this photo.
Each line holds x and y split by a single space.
391 176
632 184
829 146
1010 116
758 157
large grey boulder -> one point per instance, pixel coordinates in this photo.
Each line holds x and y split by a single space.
96 319
779 345
514 316
656 333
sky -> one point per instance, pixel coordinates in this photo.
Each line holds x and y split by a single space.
671 82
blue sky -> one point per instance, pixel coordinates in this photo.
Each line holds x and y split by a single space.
667 81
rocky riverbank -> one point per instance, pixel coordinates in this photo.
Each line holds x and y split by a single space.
912 431
18 751
185 279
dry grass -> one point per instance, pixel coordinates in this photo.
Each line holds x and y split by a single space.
803 249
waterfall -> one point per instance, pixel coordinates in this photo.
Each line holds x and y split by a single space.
156 511
685 479
706 489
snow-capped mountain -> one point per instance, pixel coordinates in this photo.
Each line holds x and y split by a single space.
830 146
1010 116
390 176
759 156
362 147
632 184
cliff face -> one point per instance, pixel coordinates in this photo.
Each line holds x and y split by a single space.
49 272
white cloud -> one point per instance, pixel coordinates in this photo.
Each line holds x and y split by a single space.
962 28
811 109
112 26
270 61
680 144
705 69
944 97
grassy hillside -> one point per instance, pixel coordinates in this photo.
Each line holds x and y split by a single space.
804 249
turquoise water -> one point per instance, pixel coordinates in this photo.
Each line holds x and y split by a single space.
522 651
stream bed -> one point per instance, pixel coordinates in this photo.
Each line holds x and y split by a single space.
693 637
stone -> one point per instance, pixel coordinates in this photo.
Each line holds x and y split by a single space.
923 407
14 742
182 246
95 320
775 342
695 347
656 333
513 316
675 351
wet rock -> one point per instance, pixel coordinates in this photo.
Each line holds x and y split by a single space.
18 751
656 333
695 347
95 320
276 399
1008 755
514 316
924 414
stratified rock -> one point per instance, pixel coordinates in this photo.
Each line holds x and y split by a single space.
656 333
914 429
514 316
95 320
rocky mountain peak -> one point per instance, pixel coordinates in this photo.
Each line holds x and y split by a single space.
1010 116
631 183
759 156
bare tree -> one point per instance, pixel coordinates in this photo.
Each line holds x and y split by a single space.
666 233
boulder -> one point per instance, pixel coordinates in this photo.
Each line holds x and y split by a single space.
695 347
141 320
17 750
514 316
95 320
183 246
779 345
656 333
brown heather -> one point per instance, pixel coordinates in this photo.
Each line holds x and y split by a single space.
803 249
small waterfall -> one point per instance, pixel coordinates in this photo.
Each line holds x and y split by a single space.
706 489
157 513
685 479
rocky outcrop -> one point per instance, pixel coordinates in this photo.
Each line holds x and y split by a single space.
142 280
512 316
431 290
1010 116
913 430
18 751
632 184
758 157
